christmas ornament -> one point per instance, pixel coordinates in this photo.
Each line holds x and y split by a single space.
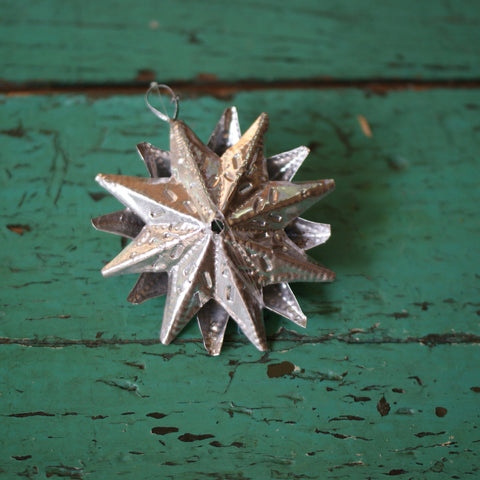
216 229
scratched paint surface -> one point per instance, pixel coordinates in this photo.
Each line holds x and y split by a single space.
131 41
404 215
384 380
301 411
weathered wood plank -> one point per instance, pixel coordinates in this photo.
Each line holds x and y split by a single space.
174 412
130 41
404 215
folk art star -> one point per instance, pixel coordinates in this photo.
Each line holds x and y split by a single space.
216 228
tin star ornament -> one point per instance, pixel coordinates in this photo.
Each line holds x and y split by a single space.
216 229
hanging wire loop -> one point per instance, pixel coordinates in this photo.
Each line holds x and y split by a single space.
155 87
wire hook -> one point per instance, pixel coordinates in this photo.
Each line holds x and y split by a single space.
174 99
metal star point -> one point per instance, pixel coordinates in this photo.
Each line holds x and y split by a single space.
216 229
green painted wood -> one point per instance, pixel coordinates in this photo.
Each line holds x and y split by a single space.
131 41
404 215
87 392
173 412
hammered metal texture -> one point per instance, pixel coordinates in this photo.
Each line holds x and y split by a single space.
216 229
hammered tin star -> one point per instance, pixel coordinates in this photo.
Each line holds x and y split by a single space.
216 229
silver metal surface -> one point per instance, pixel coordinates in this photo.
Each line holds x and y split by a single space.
216 229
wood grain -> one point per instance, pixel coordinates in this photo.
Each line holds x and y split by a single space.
174 412
383 382
131 42
404 215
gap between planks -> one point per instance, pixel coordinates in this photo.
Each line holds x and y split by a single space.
430 340
224 89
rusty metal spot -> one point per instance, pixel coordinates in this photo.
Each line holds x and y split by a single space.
63 471
346 417
32 414
440 411
359 399
396 471
449 300
190 437
276 370
15 132
20 458
19 228
383 407
156 415
449 338
341 436
372 387
475 389
164 430
423 305
427 434
141 366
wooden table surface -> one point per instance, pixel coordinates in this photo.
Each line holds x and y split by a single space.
385 379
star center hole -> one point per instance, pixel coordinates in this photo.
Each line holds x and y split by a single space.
217 226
